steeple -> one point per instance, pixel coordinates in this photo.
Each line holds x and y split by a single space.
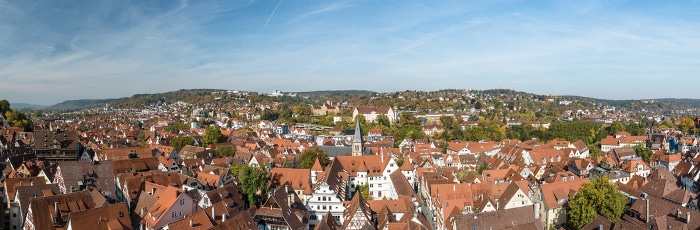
358 134
357 143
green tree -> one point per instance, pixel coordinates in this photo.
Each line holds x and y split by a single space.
462 175
4 106
594 150
179 142
364 191
615 127
596 197
443 145
361 118
226 151
18 119
307 158
643 152
383 120
253 182
400 160
636 129
687 125
407 118
212 135
484 166
175 127
141 138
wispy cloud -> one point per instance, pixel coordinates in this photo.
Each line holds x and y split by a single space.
325 9
97 49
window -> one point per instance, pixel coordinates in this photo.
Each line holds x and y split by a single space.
174 214
182 201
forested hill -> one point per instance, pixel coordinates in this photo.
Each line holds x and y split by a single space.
136 101
454 99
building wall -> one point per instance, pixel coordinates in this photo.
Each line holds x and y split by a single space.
184 206
323 200
520 199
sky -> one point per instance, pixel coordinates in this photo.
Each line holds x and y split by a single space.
51 51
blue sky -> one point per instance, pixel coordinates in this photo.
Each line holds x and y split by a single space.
52 51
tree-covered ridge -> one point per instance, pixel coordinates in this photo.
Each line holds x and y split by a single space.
422 101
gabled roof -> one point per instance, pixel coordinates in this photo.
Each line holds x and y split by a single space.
11 184
357 204
335 177
402 187
278 205
327 223
207 179
163 203
508 194
109 217
659 187
515 218
242 220
26 193
201 220
299 179
44 208
555 192
317 166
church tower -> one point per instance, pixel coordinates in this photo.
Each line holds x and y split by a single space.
358 147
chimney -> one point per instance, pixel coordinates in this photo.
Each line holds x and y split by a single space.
223 217
31 183
537 210
647 211
153 191
191 224
600 227
687 217
213 211
290 200
55 208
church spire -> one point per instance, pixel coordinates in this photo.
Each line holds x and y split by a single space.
358 147
358 134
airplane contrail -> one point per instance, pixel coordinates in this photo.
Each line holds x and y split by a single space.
268 18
